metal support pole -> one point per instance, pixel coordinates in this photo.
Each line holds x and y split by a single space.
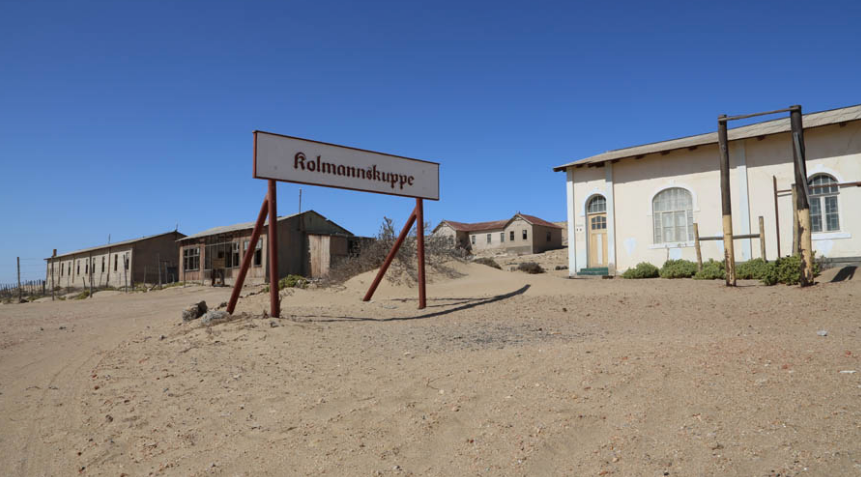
249 255
726 203
390 256
420 249
274 305
802 202
776 217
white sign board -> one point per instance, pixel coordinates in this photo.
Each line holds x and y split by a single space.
292 159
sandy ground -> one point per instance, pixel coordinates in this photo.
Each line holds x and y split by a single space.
503 374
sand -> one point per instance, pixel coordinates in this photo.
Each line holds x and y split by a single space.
503 374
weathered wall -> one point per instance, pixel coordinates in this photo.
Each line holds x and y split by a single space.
147 253
832 149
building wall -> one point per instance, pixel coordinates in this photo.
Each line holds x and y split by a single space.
148 253
457 238
67 274
481 240
633 183
519 244
256 273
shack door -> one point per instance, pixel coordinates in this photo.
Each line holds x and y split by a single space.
598 240
318 251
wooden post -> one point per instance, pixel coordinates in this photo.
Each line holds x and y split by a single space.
274 299
90 259
420 250
20 295
249 256
776 217
762 238
805 243
697 247
53 259
726 203
794 220
158 258
390 256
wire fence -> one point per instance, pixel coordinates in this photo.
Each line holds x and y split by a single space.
30 289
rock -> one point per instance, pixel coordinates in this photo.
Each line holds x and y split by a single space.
822 332
273 324
194 311
214 315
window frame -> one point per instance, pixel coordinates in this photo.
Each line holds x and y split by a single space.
659 222
525 235
819 213
489 238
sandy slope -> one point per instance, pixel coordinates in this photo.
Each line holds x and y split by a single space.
503 374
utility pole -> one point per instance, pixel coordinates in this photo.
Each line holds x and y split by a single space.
53 258
726 203
802 202
19 280
300 200
158 257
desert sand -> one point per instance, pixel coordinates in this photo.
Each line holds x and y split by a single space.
503 374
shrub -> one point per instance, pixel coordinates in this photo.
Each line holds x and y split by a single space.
642 270
788 270
678 269
530 267
82 295
489 262
712 270
292 281
756 269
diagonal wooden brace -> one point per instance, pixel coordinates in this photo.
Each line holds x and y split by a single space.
391 256
249 255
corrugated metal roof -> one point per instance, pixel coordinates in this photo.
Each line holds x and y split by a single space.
250 225
775 126
115 244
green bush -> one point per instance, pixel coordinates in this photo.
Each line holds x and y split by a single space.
489 262
642 270
756 269
678 269
530 267
712 270
82 295
292 281
788 270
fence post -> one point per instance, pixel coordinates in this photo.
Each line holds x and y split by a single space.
697 247
762 238
19 280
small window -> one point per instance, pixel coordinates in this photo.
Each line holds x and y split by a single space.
824 212
62 267
597 205
524 234
472 238
191 258
502 237
488 238
87 268
548 237
116 261
258 253
103 264
126 262
235 262
511 236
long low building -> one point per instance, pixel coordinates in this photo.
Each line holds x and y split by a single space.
120 264
308 245
639 204
520 234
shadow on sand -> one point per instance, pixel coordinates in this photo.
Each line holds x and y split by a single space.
460 305
845 273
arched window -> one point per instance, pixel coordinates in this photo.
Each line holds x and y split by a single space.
597 205
824 214
673 216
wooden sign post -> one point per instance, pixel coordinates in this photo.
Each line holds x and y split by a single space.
302 161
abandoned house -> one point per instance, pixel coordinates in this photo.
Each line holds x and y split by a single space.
639 204
121 264
519 234
308 245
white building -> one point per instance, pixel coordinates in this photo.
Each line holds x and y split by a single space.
639 204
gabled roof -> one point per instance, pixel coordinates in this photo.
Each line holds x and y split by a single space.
116 244
495 225
766 128
250 225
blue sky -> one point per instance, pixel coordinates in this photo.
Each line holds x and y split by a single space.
128 118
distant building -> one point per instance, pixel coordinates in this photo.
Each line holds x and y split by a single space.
519 234
639 204
118 264
308 245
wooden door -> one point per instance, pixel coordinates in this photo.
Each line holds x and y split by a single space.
598 240
318 251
